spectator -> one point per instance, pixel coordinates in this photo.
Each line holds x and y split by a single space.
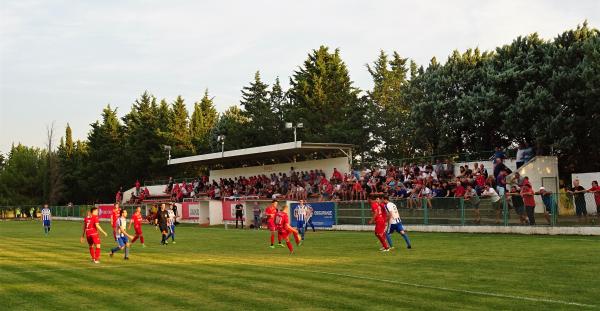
169 185
483 171
596 191
548 201
529 201
256 212
499 167
137 188
578 193
499 154
517 180
495 198
459 191
119 196
473 199
337 176
501 183
518 204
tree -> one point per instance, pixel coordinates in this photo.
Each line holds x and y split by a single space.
323 98
230 124
145 155
264 125
390 110
23 175
203 119
105 161
179 135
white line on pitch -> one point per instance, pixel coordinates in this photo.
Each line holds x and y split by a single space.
456 290
68 269
464 291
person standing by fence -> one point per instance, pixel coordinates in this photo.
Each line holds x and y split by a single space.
256 212
578 193
529 201
596 191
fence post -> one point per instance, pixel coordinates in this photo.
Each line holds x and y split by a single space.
505 210
554 215
335 210
462 211
425 211
362 212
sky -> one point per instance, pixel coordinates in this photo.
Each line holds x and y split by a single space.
64 61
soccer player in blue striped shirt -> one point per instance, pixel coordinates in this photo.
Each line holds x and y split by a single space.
46 218
395 223
122 236
300 212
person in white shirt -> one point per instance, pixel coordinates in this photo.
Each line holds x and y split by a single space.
395 223
171 224
495 198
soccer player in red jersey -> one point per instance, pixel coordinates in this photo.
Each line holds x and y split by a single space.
91 226
282 221
136 220
271 211
379 220
113 219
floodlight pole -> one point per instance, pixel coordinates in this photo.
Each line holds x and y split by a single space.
221 139
295 127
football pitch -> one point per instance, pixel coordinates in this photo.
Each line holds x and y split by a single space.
217 269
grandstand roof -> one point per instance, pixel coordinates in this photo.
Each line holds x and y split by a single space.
270 154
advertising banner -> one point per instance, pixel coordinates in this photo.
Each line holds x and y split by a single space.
323 214
105 210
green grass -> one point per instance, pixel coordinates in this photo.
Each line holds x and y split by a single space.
217 269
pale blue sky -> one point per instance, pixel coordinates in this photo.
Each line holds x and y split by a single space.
63 61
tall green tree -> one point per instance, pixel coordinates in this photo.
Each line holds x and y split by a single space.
179 130
204 118
22 176
390 110
263 128
106 158
231 124
323 97
146 157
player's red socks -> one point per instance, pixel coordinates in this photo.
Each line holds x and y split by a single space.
383 241
92 253
278 238
142 239
272 238
289 245
296 238
134 239
97 253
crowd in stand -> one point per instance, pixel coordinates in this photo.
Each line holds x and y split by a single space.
414 183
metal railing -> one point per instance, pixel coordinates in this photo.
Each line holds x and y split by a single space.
555 210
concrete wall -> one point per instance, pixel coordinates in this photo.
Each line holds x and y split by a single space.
326 165
542 171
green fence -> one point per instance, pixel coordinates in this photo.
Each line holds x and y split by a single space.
509 211
24 212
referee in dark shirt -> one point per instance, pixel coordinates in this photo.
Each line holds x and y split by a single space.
161 221
239 214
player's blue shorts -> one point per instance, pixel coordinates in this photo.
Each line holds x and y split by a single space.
122 241
172 228
396 227
300 224
46 223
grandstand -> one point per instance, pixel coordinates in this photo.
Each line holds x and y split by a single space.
275 161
